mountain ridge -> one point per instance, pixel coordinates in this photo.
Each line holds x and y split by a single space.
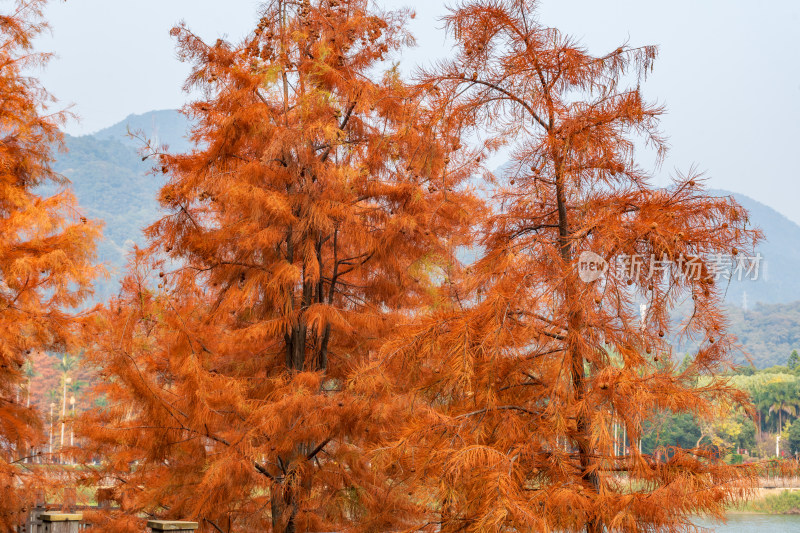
167 126
112 183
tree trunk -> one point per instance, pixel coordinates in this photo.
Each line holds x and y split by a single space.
284 510
575 328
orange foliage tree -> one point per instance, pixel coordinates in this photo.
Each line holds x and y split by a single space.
518 390
323 202
46 247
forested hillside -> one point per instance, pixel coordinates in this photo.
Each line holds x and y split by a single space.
768 332
113 183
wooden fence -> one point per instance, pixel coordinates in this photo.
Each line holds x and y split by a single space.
42 520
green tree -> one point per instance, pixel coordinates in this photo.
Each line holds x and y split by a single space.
794 437
773 398
29 371
747 436
670 429
783 398
794 360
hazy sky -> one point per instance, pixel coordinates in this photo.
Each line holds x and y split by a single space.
729 70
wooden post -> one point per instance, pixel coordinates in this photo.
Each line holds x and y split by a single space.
33 522
61 522
172 526
104 497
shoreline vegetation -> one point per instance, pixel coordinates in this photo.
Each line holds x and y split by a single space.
770 501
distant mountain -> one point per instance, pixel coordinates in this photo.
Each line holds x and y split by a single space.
167 126
779 280
113 184
768 332
764 314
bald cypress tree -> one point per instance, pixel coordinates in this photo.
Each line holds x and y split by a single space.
530 393
321 205
46 246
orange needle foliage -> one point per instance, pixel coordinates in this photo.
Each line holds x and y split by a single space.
46 247
320 207
515 396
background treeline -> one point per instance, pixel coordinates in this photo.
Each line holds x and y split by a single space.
775 393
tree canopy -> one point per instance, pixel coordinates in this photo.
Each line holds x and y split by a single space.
520 396
325 204
46 245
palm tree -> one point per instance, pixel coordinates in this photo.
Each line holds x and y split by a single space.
761 401
52 395
65 366
74 391
782 398
30 372
783 407
75 387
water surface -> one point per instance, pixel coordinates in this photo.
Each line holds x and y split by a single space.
749 523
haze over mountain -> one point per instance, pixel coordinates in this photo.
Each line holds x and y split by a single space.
166 126
112 184
778 280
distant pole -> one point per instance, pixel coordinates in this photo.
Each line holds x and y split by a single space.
643 313
52 406
72 425
67 381
624 440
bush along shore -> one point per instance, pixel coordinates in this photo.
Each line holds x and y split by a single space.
773 501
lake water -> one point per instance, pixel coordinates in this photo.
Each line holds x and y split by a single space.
747 523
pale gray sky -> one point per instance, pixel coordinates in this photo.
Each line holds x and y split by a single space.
729 70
